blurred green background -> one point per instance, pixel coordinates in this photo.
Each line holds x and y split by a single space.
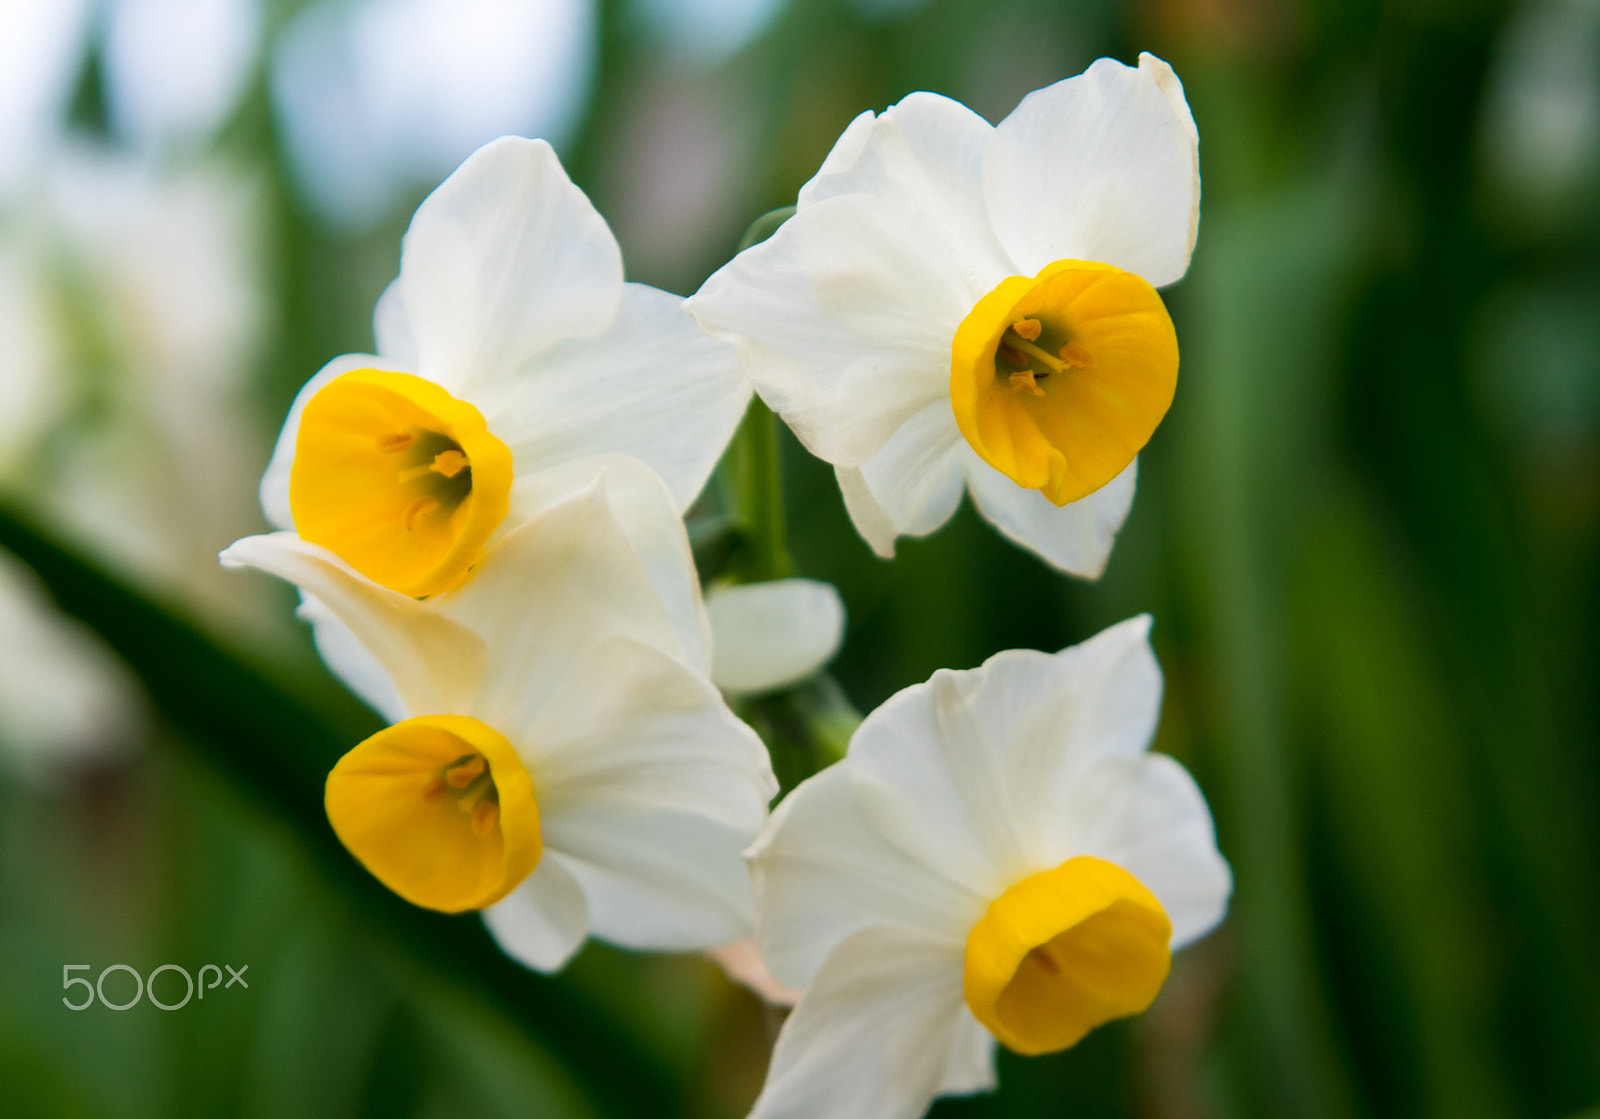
1367 531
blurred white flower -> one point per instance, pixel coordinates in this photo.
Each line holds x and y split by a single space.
705 32
956 306
378 98
175 69
139 310
1541 117
998 857
558 754
509 352
766 636
64 698
41 59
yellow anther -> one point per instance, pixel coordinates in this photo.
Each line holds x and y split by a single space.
1024 379
418 509
1076 356
395 441
1027 328
460 776
485 816
449 463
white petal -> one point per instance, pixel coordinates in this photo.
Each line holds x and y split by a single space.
544 920
844 852
657 879
275 482
635 730
993 758
650 789
653 386
560 583
743 964
350 660
770 635
503 260
878 1034
1147 815
924 156
846 314
391 327
915 480
645 512
844 320
969 1067
1102 167
927 745
1076 538
1098 699
872 521
435 665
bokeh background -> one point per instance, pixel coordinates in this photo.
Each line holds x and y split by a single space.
1367 532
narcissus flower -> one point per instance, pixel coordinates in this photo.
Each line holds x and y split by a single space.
998 858
956 306
509 345
557 757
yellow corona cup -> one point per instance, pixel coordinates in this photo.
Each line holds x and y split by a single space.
1064 951
1059 380
440 809
399 479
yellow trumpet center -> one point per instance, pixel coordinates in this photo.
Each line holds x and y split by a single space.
399 478
1064 951
440 809
1058 380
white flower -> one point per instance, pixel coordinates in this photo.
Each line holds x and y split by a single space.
558 757
508 346
956 306
998 856
768 635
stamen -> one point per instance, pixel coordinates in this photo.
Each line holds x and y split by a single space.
395 441
1076 356
485 817
449 463
1024 379
1028 328
464 774
1048 359
434 789
421 507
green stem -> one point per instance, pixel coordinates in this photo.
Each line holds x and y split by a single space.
759 496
